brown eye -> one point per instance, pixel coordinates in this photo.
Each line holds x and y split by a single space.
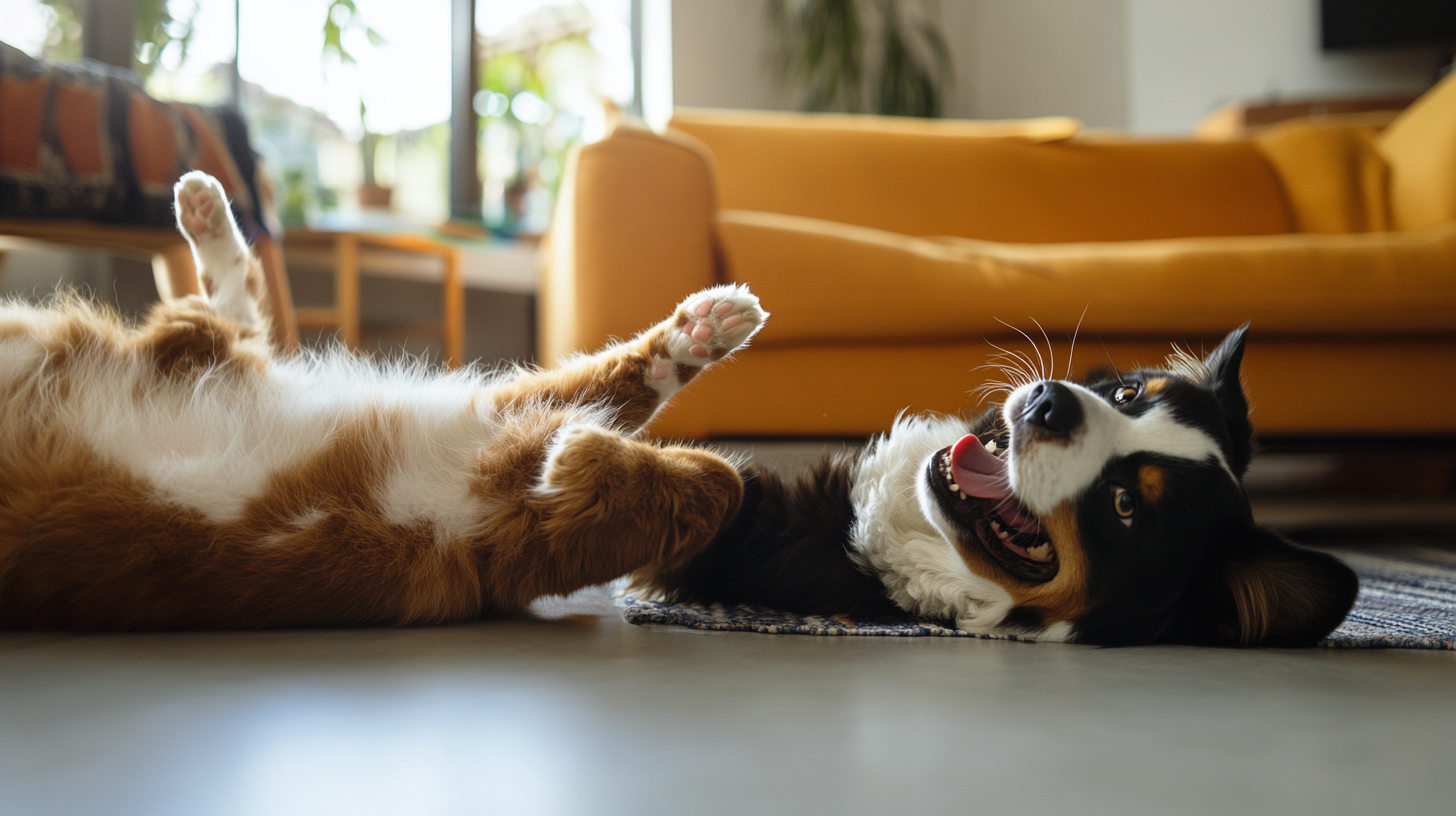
1126 394
1125 504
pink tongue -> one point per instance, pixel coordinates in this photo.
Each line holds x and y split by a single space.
980 473
977 471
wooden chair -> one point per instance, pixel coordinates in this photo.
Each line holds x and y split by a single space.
171 258
345 247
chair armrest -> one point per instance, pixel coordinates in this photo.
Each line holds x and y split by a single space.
633 233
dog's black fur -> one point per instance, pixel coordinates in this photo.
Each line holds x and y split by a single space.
1189 565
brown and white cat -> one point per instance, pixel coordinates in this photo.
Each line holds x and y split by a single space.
179 474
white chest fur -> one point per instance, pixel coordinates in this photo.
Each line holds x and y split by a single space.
892 535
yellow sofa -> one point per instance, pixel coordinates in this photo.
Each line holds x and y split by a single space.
893 253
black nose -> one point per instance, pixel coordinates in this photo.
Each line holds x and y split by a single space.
1053 407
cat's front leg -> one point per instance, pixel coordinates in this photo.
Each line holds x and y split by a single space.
635 378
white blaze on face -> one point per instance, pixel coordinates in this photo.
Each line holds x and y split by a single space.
1046 474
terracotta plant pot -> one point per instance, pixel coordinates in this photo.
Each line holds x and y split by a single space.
374 197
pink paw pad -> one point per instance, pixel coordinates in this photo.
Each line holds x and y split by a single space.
712 325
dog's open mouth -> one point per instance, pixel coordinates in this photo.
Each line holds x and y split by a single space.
970 483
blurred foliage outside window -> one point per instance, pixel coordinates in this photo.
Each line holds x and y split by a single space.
543 78
161 31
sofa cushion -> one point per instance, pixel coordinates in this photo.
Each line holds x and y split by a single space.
828 282
1334 176
1421 148
1352 386
934 179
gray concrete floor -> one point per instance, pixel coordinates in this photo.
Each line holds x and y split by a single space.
573 711
577 712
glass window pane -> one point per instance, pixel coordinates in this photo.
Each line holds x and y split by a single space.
304 106
186 53
33 27
546 69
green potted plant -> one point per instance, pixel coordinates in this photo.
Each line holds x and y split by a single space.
859 56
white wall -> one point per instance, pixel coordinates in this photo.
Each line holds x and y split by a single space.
719 60
1049 58
718 55
1151 66
1187 58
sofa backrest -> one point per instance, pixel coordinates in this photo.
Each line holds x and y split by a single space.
1420 146
929 180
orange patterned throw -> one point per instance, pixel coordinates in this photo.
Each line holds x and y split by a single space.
83 141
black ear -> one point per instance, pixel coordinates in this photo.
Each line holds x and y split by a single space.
1222 365
1257 589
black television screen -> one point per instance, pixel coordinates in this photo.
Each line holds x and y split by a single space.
1356 23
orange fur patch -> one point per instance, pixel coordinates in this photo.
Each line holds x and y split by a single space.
1064 597
1155 386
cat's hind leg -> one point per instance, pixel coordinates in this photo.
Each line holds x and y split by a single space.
231 278
603 505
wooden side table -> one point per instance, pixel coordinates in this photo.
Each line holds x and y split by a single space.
344 314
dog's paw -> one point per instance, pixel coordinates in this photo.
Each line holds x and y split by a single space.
202 209
714 323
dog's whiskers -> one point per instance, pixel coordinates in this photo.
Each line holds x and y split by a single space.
1040 369
1073 350
1029 369
1051 352
1115 372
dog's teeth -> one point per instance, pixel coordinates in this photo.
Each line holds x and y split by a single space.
991 446
1003 535
1041 552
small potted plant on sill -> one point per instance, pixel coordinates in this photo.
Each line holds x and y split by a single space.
340 16
371 194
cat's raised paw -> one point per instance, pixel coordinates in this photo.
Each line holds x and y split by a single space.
202 209
713 323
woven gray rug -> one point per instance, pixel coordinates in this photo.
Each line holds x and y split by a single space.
1407 600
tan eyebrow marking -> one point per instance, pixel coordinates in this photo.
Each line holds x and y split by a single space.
1155 385
1151 481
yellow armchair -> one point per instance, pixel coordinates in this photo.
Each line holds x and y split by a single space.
891 250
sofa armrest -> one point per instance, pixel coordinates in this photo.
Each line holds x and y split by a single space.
633 233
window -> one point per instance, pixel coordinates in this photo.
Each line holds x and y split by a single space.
370 107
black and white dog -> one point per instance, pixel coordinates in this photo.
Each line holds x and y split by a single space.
1108 512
